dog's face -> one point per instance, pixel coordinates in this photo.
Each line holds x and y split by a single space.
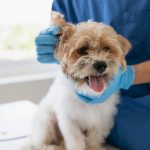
90 54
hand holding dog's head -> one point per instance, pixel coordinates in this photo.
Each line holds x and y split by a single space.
90 53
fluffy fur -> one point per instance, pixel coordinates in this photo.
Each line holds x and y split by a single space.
63 121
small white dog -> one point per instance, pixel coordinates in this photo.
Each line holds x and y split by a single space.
90 54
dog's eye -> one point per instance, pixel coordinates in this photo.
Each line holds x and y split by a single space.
82 50
107 49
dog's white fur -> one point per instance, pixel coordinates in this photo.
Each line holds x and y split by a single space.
73 117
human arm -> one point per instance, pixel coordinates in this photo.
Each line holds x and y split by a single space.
142 73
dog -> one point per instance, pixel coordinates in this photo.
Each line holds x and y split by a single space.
89 53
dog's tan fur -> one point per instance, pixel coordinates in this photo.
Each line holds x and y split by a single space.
97 37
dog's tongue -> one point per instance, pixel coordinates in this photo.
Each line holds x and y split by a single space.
96 83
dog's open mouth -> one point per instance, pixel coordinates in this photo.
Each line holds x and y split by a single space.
96 83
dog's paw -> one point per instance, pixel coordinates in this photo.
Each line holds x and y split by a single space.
52 147
110 147
96 148
102 148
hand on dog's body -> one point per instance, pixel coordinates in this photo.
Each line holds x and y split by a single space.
122 80
89 54
46 43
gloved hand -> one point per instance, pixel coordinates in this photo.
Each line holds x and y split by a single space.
122 80
46 44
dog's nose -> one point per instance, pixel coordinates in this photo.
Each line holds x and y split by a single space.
100 66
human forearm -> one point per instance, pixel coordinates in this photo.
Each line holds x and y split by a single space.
142 73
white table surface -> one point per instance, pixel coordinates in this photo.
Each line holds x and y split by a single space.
15 123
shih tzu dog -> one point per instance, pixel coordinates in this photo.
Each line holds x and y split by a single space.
89 53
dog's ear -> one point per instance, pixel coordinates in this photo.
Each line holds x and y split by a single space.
57 19
63 47
125 46
66 31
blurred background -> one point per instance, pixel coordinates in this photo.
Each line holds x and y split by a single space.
23 81
21 76
20 22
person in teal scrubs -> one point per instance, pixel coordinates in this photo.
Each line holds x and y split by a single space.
130 18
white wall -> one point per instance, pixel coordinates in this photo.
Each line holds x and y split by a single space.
25 80
32 90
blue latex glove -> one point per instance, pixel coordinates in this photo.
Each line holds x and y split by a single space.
122 80
46 43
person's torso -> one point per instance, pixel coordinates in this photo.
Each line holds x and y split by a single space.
129 18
